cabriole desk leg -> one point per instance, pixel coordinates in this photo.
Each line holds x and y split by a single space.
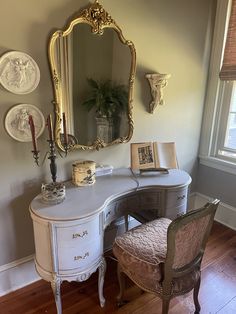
102 270
56 288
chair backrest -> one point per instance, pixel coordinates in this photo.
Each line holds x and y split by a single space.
186 240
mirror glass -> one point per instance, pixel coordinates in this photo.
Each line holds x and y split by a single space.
93 69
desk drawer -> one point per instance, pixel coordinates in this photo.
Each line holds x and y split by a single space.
110 213
176 197
115 210
77 234
80 257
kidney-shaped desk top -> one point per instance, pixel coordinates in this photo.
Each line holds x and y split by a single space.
83 201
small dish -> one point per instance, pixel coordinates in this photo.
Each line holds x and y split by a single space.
17 122
19 73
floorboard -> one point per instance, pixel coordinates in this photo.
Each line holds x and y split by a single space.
217 292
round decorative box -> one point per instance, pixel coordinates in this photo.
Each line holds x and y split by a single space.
53 193
83 172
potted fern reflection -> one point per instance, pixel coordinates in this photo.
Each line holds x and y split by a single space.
109 100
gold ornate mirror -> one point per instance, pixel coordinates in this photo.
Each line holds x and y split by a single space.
93 68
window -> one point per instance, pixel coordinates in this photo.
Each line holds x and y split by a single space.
227 134
226 137
218 138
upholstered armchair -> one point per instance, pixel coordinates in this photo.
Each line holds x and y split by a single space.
164 257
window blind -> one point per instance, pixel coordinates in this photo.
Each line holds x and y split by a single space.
228 70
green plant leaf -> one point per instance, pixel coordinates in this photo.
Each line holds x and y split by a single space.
107 97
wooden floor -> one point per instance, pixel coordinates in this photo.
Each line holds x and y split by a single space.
217 292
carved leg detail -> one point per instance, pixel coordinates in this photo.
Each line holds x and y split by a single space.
195 296
102 270
56 287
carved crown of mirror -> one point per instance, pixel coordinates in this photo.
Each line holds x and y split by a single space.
93 68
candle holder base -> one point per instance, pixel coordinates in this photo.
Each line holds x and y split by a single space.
53 193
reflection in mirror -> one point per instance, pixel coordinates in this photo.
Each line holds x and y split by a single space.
93 69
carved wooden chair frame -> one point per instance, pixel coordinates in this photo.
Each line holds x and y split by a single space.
168 272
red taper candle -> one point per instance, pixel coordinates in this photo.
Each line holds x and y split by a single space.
32 129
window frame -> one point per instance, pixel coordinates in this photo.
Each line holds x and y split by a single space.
214 118
225 94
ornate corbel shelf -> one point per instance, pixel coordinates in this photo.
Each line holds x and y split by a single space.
157 82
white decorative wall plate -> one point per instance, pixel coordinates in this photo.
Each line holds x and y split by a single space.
19 73
17 122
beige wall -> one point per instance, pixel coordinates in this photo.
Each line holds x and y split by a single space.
170 37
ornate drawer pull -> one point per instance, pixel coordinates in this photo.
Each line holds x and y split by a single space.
76 258
79 235
181 197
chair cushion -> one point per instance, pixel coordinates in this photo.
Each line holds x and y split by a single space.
140 253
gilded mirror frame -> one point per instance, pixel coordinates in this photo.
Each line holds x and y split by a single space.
95 16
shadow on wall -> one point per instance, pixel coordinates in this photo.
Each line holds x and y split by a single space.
146 96
56 19
23 227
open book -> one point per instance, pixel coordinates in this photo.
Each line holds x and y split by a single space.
153 156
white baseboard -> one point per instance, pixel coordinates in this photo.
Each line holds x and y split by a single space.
22 272
225 213
17 274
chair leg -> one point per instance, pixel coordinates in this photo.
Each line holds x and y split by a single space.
121 281
165 306
195 296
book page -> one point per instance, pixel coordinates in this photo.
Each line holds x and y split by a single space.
165 155
142 155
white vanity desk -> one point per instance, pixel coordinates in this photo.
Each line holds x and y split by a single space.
69 235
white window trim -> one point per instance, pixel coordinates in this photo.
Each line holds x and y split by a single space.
225 94
209 131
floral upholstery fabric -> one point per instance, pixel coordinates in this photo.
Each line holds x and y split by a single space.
141 253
